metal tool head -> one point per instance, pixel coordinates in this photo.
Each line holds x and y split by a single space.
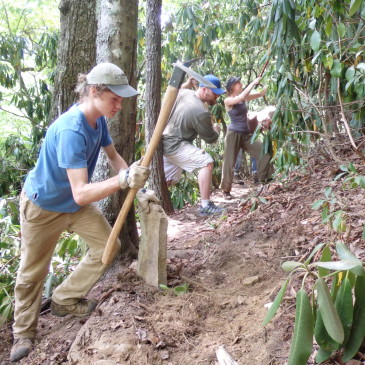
195 75
190 62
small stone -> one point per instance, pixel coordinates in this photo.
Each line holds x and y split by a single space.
164 355
251 281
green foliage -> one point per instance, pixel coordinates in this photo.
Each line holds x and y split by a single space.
185 191
275 306
69 251
286 159
28 55
17 156
222 36
177 290
256 202
331 215
331 318
358 329
351 177
334 218
9 254
301 345
318 64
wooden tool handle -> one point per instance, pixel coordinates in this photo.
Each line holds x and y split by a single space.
264 68
167 105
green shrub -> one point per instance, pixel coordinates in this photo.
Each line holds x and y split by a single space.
185 191
334 316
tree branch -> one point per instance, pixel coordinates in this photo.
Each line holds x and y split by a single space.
347 127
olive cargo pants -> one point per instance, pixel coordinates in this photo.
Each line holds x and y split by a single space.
233 142
40 231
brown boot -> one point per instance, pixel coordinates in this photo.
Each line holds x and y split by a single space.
82 308
21 348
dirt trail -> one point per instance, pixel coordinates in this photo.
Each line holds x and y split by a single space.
232 266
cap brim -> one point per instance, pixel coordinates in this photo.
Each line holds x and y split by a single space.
233 81
218 91
124 91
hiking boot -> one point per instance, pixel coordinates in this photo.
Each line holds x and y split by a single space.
21 348
82 308
210 209
227 195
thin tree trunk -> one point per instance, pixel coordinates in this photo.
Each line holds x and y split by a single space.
76 51
153 99
117 43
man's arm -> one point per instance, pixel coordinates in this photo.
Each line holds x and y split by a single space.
115 160
191 83
84 192
207 131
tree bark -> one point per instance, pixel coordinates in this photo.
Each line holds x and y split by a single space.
117 43
157 180
76 51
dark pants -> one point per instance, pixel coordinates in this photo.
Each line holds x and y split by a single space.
233 142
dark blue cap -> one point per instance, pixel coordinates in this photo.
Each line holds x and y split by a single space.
215 81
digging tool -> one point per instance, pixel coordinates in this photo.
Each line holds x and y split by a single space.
169 99
264 68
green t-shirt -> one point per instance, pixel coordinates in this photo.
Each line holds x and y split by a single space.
188 119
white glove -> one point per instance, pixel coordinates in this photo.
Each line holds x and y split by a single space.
134 177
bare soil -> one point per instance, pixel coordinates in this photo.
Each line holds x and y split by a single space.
232 267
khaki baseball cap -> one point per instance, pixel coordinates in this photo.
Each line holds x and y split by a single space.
112 77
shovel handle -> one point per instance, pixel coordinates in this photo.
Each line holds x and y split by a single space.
167 105
264 68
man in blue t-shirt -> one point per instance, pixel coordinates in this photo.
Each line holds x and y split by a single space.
57 195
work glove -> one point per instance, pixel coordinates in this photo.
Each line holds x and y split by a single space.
265 117
145 196
266 124
134 176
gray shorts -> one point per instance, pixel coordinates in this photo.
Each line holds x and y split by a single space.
189 158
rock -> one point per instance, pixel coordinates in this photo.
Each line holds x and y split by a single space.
251 281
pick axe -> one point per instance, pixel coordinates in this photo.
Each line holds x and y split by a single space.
168 102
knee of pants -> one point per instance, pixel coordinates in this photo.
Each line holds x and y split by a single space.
32 275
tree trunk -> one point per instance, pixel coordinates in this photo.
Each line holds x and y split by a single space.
76 51
153 98
117 43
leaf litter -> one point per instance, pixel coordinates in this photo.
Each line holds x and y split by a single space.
231 266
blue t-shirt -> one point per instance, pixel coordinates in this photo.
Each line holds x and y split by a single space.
70 143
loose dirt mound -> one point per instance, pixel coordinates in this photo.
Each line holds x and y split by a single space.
232 267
